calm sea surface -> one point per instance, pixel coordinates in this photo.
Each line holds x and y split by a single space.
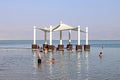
19 62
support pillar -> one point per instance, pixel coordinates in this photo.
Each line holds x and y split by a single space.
79 46
45 36
69 36
45 45
34 45
50 46
86 46
60 46
69 46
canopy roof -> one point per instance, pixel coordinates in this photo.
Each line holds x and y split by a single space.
60 27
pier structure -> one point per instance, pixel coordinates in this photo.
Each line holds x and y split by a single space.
61 27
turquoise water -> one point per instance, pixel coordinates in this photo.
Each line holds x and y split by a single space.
19 62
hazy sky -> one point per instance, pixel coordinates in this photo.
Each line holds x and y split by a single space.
17 18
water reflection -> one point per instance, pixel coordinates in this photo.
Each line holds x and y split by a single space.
79 64
50 65
86 59
34 59
82 65
39 66
86 64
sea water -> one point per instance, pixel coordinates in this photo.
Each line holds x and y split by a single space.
19 62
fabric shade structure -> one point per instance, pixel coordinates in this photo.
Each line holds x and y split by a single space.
45 29
61 27
76 29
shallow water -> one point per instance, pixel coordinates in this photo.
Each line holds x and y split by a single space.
21 64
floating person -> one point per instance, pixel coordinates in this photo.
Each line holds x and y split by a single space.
100 55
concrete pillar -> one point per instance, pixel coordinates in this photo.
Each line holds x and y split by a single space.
60 46
60 37
69 46
78 35
45 45
50 35
69 36
78 46
34 45
34 33
45 36
86 46
50 46
86 35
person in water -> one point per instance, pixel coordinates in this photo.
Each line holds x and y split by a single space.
48 61
100 55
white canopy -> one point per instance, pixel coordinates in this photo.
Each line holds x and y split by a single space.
60 27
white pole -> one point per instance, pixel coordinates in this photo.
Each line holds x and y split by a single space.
78 35
34 33
60 37
86 35
50 35
69 36
45 37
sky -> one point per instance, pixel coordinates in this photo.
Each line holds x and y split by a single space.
17 18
